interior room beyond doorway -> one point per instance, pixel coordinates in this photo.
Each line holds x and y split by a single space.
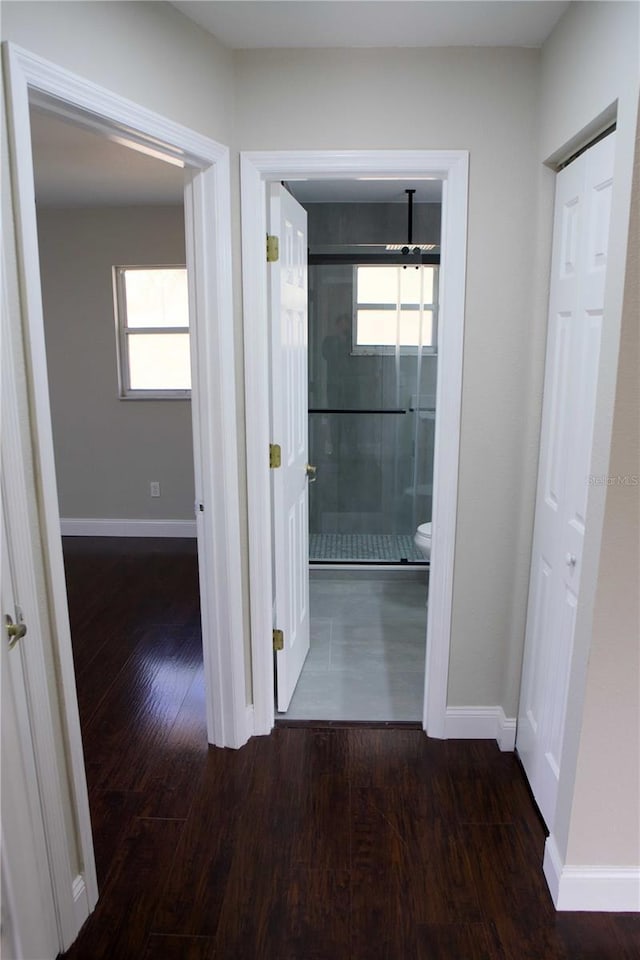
373 272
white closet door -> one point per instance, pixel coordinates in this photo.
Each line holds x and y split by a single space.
576 301
288 282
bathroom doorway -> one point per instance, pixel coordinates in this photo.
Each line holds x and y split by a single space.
373 272
258 170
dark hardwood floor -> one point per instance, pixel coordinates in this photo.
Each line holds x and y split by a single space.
326 843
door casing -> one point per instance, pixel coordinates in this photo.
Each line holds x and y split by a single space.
256 170
30 79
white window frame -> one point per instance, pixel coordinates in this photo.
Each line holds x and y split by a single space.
371 350
123 332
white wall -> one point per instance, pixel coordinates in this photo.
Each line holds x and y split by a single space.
147 52
484 101
107 449
590 68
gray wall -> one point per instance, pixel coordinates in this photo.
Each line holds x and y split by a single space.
484 101
107 450
590 67
346 223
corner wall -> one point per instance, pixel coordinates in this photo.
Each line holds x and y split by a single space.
609 752
590 73
484 101
144 51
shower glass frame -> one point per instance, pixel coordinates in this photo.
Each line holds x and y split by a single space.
375 469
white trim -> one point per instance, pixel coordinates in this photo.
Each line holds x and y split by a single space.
481 723
586 888
256 169
80 527
208 258
40 722
80 900
207 201
249 720
208 239
124 331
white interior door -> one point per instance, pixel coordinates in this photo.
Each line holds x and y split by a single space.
29 926
576 301
289 391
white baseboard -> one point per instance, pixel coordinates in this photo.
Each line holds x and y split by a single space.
249 721
585 888
481 723
81 906
127 528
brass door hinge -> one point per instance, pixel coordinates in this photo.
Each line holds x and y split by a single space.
278 640
273 248
275 455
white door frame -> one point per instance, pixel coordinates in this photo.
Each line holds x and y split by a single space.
30 79
256 169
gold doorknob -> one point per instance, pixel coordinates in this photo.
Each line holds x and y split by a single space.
311 473
15 631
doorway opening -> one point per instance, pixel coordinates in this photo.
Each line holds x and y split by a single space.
258 171
373 266
111 241
67 826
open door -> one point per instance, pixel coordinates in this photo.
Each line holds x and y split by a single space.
288 300
576 304
29 925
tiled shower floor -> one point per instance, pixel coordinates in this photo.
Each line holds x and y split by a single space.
374 547
367 656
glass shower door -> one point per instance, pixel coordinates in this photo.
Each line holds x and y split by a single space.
372 386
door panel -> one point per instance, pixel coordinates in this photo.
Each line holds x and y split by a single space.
28 909
576 301
288 299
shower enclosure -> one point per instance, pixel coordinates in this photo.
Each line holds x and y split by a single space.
373 323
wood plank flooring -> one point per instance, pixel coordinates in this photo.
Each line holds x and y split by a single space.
324 843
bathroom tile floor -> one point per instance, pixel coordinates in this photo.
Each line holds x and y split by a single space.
379 547
367 654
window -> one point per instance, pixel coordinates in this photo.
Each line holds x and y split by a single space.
152 322
395 306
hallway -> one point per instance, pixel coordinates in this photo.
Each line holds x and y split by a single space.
316 843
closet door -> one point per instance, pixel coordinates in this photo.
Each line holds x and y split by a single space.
576 300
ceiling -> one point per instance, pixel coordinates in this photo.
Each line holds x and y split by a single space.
73 166
76 167
252 24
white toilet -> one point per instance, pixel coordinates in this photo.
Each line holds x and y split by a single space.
422 540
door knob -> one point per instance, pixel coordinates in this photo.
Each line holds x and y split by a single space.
311 473
571 559
15 631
